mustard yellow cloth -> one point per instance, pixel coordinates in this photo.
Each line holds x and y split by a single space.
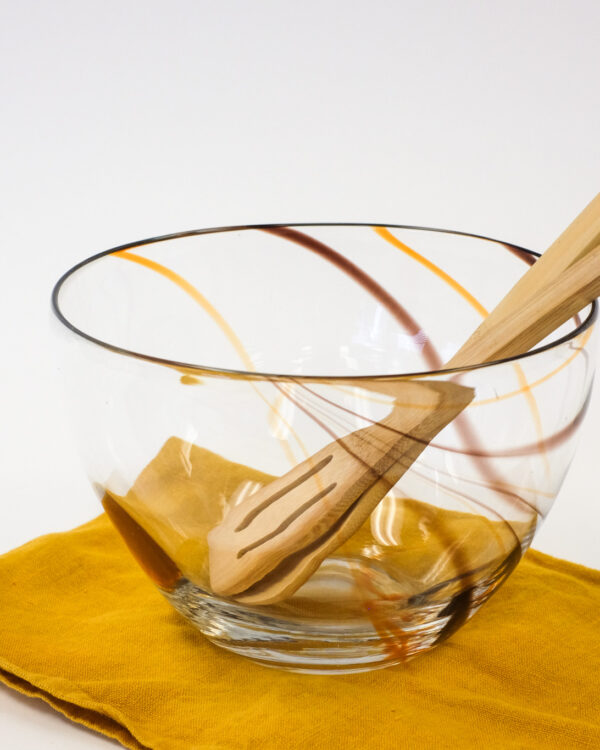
82 628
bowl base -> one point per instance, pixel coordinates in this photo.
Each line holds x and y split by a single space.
376 635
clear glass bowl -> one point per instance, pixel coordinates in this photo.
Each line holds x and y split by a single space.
201 365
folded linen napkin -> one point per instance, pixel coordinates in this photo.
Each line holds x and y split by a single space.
83 628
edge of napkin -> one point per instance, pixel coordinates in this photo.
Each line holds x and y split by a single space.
86 714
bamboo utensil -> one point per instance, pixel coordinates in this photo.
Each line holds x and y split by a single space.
269 545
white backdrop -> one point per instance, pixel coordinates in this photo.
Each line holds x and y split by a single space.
125 119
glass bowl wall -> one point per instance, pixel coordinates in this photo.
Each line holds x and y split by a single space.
202 365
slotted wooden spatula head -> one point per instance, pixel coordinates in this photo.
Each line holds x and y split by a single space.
296 520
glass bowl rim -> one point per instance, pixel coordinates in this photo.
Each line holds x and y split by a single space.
252 375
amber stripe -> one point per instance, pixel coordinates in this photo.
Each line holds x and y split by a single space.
231 335
389 237
191 290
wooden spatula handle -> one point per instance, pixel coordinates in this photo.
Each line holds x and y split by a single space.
578 239
529 324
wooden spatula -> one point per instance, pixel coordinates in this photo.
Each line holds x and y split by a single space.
269 545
